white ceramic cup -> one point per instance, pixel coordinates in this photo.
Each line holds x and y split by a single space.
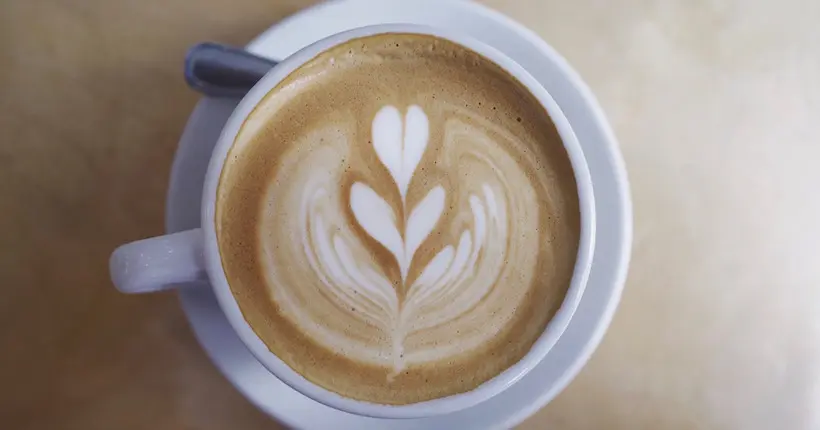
188 257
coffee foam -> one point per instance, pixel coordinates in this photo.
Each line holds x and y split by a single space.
398 219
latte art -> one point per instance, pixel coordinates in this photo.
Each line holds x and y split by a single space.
398 219
441 289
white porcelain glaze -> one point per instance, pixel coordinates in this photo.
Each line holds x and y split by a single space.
606 278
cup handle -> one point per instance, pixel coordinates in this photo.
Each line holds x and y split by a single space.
159 263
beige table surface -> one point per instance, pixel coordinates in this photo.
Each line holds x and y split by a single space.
717 107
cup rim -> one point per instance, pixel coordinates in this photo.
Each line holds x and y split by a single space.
555 327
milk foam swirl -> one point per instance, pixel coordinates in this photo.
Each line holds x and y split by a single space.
465 250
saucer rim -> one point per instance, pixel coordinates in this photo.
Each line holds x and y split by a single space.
606 141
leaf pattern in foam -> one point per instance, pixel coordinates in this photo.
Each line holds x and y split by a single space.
449 290
365 280
387 139
416 135
431 276
400 146
420 224
335 274
377 218
422 293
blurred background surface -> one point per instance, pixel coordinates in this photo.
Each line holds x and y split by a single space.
715 103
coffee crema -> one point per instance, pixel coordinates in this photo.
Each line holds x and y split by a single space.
398 219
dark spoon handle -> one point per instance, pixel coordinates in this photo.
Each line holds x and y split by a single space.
223 71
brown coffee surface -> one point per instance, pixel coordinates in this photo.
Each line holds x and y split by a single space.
398 219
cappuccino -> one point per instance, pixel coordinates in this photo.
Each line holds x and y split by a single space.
398 219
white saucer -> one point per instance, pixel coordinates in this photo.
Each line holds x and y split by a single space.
614 229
